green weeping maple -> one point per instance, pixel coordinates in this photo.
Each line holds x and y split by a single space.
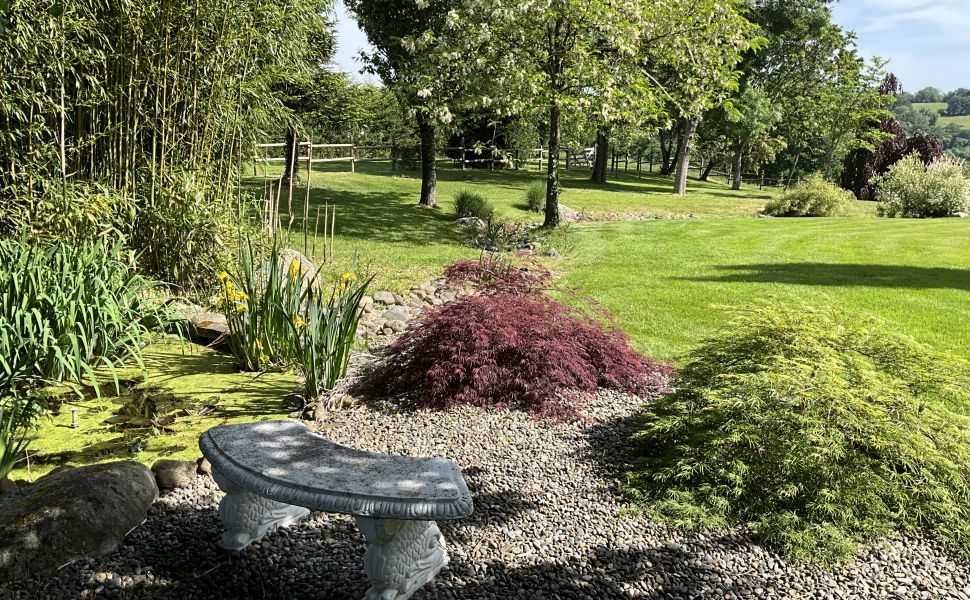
818 431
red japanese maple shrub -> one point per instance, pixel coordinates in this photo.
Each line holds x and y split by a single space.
521 351
496 274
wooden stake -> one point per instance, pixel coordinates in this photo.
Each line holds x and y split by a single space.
326 217
333 224
306 202
316 230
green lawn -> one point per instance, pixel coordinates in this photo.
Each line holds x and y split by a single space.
962 121
378 220
660 279
931 106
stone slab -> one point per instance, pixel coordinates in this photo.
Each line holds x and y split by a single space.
286 462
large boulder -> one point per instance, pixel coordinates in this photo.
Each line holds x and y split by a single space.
568 214
304 266
201 325
72 513
174 474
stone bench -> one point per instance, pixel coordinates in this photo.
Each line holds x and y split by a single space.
275 472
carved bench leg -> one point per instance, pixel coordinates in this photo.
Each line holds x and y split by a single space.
401 556
249 517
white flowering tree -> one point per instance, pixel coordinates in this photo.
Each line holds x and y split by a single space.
404 35
703 42
598 56
552 56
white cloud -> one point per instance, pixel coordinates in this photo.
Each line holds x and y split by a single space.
926 41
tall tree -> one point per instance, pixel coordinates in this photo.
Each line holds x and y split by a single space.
694 52
556 57
404 35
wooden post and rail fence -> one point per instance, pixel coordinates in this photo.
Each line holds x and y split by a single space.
310 153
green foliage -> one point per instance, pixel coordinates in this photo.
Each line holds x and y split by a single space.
535 196
184 234
259 299
18 420
65 311
85 212
118 100
281 316
323 337
471 204
818 430
912 189
813 197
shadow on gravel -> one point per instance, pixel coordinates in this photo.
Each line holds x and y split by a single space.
609 447
603 573
321 559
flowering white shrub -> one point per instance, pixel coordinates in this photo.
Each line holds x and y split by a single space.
912 189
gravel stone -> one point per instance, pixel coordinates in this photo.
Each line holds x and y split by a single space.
549 523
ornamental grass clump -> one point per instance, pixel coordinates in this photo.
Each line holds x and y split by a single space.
469 204
517 349
535 196
819 431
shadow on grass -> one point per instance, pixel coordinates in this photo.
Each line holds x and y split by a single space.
844 275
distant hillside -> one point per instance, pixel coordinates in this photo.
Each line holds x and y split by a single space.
934 107
963 122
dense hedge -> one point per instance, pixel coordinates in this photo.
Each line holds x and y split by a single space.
818 430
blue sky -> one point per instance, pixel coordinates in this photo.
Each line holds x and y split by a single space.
350 40
926 41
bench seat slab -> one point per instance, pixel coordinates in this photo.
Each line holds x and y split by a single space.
286 462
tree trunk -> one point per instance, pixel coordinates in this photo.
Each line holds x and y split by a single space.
794 169
429 172
552 171
707 171
291 152
736 165
683 156
602 150
666 145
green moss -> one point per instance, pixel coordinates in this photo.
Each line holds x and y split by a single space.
196 376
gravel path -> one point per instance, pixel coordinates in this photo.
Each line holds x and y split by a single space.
548 524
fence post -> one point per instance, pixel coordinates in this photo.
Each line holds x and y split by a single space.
542 154
461 143
353 168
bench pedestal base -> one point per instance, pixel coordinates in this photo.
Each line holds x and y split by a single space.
249 517
401 556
